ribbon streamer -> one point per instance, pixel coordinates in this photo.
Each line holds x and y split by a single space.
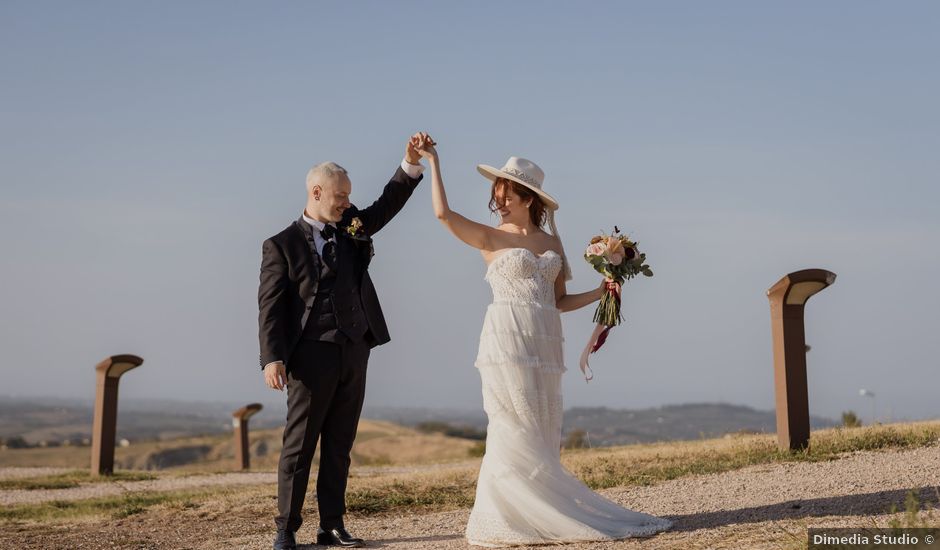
588 350
597 339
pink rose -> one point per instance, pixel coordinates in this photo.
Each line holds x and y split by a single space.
596 249
615 258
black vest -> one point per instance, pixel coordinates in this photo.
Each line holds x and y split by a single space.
336 314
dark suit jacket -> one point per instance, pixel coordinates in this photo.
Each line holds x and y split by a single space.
290 272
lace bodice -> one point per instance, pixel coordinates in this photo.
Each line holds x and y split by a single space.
519 275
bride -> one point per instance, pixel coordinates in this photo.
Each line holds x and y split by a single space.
524 494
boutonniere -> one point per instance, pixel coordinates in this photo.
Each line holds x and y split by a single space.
355 229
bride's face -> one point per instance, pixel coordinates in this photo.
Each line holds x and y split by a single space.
509 205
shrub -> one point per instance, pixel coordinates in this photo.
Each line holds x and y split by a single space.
463 432
576 439
851 420
17 442
478 450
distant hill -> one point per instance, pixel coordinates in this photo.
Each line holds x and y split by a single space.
50 419
412 416
377 444
607 427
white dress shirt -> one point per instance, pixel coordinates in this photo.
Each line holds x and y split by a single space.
412 170
318 226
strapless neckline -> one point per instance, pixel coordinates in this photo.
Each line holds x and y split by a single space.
509 251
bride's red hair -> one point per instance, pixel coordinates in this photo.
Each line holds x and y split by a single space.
498 193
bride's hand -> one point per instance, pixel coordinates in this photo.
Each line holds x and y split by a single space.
424 145
608 285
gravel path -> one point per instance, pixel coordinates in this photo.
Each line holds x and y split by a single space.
759 507
17 472
116 487
756 507
111 488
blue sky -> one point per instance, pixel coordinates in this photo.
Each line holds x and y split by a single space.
147 149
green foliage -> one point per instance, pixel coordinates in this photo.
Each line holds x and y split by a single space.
463 432
17 442
911 518
615 246
851 420
478 450
608 311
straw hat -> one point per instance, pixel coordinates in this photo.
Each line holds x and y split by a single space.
527 173
521 171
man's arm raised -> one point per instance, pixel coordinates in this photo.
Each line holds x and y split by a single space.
396 192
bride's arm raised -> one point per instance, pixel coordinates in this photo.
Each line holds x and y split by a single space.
475 234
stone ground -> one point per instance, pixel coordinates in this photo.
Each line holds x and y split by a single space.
765 506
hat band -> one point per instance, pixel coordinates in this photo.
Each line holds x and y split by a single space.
521 175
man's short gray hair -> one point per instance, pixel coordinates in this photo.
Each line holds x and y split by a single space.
323 170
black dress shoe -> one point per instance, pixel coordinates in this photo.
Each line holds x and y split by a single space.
337 537
285 540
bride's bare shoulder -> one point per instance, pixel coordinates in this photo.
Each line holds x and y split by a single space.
552 242
500 240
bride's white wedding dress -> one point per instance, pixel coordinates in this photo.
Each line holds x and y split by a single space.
524 494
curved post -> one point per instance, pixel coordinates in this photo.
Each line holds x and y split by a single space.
787 298
104 428
240 423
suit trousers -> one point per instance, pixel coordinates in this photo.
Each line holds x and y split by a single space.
326 385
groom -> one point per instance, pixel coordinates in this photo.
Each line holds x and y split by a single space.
318 318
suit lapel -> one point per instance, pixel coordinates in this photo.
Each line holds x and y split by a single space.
305 234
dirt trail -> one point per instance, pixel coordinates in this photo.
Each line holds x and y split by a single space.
172 483
764 506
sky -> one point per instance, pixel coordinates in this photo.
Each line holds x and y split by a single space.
147 150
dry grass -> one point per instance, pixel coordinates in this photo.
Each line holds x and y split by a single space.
377 443
644 464
436 492
420 489
52 457
653 463
116 507
65 480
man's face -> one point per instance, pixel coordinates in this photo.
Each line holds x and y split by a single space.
333 196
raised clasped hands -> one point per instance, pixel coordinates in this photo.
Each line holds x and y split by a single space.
423 144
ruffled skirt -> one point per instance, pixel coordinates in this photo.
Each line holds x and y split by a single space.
524 495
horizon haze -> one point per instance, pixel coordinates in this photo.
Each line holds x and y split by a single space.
147 150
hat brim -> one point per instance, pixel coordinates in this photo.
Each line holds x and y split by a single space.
491 173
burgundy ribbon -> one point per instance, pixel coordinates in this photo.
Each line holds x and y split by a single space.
598 337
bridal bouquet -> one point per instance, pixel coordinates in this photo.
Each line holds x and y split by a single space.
618 259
